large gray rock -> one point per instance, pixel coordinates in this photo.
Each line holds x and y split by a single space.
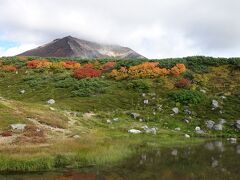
218 127
222 121
210 124
19 127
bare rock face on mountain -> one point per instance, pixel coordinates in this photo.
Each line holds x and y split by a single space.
73 47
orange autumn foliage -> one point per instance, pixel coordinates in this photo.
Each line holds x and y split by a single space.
70 64
146 70
9 68
35 64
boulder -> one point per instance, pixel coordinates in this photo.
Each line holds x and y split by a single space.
215 104
218 127
203 91
210 124
51 101
109 121
19 127
187 111
134 131
232 140
186 136
115 119
175 110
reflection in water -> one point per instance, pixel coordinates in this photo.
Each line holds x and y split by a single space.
211 160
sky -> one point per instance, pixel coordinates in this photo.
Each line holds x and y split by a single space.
153 28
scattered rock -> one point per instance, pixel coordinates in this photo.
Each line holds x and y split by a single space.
187 136
232 140
237 124
115 119
148 130
222 121
186 120
187 111
223 97
175 110
135 115
51 101
218 127
215 104
146 101
210 124
143 94
22 91
178 129
203 91
51 108
19 127
134 131
140 120
174 152
76 136
198 130
109 121
214 163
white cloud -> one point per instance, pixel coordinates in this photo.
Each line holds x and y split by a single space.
16 50
154 28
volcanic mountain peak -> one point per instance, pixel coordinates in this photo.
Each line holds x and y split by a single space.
73 47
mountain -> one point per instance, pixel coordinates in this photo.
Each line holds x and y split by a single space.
73 47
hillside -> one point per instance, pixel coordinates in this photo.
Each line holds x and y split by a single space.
74 113
73 47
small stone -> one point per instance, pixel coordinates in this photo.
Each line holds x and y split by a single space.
51 101
76 136
22 91
135 115
20 127
198 130
237 124
186 120
143 94
109 121
174 152
232 140
140 120
210 124
175 110
134 131
218 127
215 104
178 129
223 97
187 111
115 119
51 108
203 91
187 136
146 101
222 121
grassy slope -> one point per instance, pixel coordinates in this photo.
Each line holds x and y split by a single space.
101 143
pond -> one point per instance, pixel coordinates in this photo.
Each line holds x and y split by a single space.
209 160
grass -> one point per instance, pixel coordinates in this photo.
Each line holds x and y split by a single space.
107 144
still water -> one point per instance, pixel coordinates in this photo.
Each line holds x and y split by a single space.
210 160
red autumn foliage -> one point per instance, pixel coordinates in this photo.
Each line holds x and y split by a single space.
9 68
108 66
182 83
86 72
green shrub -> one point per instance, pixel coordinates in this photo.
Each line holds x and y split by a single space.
88 87
139 85
185 97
